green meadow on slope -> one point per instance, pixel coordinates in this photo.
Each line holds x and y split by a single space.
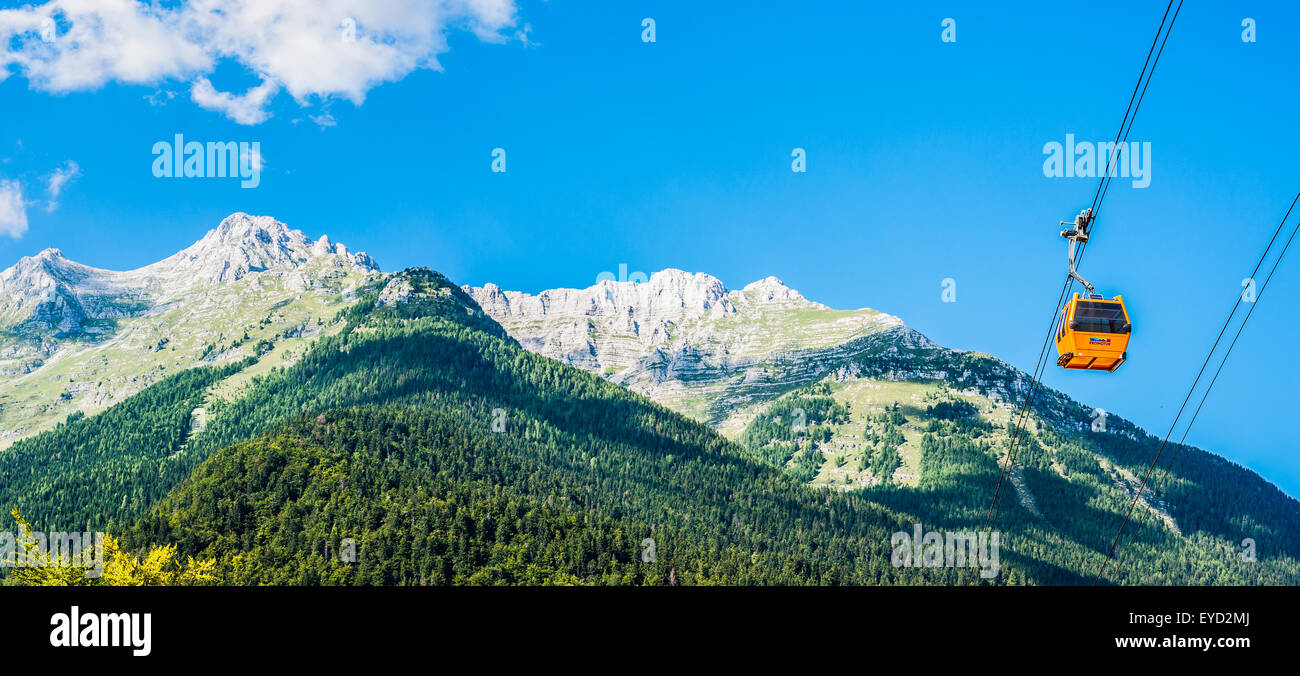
449 455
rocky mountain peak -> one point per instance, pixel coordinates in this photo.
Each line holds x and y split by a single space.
772 289
47 260
242 244
34 276
323 246
240 225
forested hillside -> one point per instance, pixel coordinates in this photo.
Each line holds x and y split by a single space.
429 499
929 451
90 472
451 455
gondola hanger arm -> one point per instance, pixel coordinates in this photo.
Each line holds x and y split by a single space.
1078 235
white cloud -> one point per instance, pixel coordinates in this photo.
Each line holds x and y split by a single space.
325 119
160 97
13 213
318 50
100 41
248 108
57 180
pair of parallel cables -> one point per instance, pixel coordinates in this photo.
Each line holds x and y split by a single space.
1126 124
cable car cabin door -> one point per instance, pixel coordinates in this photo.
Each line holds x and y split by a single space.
1093 334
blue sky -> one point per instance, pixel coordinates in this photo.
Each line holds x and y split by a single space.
924 162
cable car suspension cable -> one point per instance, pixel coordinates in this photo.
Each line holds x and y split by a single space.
1165 471
1146 477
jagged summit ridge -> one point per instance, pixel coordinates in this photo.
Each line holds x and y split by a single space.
48 293
684 335
241 244
667 295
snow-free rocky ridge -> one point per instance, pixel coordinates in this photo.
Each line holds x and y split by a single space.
687 341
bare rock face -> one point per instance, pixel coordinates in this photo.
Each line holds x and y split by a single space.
398 290
686 340
610 324
47 295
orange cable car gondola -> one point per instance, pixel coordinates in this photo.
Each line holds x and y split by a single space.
1094 332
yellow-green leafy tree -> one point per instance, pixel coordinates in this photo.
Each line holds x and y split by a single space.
158 566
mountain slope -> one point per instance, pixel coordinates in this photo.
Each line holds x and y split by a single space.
421 383
415 379
77 338
442 388
855 401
